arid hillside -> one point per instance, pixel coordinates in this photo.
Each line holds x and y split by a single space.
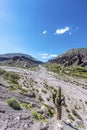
18 60
72 57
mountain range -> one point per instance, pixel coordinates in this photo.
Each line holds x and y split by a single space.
33 98
75 57
18 60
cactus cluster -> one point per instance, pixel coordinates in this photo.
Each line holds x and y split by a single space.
58 101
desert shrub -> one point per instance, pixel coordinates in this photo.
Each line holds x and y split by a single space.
50 112
46 85
55 90
40 98
14 103
48 99
23 90
76 114
12 88
67 110
44 91
37 90
70 117
26 105
15 87
39 117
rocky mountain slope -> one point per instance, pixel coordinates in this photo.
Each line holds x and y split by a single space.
72 57
18 60
26 100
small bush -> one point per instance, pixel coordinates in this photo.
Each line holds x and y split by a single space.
23 90
70 117
44 91
50 112
26 105
12 88
48 99
67 110
40 98
14 103
76 114
39 117
46 85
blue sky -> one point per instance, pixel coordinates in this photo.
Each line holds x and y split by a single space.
42 28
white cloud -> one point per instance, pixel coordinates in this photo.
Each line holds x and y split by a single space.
44 32
63 30
53 55
47 56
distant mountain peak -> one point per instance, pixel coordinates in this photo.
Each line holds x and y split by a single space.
76 56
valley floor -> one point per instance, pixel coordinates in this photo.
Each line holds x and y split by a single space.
39 80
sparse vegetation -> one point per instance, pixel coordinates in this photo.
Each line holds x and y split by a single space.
48 99
26 105
44 91
46 85
76 114
53 67
14 103
67 110
13 87
39 117
50 112
75 71
40 98
22 90
71 117
32 82
12 77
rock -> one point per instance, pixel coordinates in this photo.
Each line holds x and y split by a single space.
2 111
44 128
79 122
17 119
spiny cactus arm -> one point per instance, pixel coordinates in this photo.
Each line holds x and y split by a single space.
57 101
54 97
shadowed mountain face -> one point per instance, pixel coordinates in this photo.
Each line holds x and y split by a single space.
18 60
72 57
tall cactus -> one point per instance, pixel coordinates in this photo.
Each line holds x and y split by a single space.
58 101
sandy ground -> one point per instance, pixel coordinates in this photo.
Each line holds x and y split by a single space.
73 91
